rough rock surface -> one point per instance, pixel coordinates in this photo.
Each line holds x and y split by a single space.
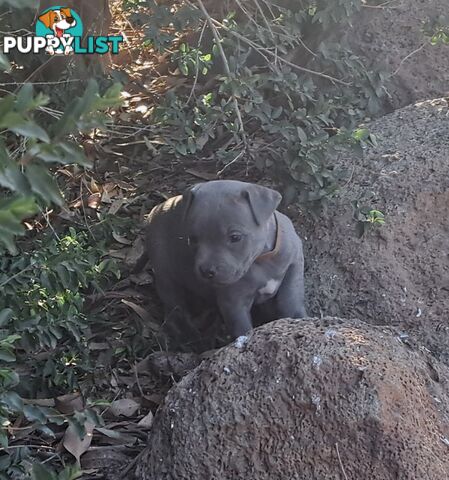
398 273
391 39
303 400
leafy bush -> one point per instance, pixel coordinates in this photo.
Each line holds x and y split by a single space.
286 91
43 325
27 151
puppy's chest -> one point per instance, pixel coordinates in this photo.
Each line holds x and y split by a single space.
268 290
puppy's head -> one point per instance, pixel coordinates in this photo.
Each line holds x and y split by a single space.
227 226
58 20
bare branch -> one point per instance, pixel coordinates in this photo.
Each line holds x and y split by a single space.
218 40
261 49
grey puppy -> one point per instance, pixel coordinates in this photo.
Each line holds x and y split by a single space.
223 244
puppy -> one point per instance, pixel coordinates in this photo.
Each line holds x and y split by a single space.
59 21
223 244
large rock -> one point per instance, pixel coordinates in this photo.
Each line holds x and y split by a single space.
305 400
397 273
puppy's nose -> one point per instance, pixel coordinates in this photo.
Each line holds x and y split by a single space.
208 272
70 20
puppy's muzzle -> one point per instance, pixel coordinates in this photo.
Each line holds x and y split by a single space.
208 272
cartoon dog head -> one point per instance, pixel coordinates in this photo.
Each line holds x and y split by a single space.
58 20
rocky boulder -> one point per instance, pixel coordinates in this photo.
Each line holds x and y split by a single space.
318 399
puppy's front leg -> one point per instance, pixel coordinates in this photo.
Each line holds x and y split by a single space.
290 297
236 313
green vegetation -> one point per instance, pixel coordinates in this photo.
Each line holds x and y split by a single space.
285 117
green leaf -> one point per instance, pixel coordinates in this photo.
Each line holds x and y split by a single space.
21 207
72 472
184 68
301 134
10 339
9 223
13 401
43 185
8 378
3 438
6 105
33 414
64 153
42 472
111 98
26 101
21 126
181 148
7 356
12 212
4 63
10 175
5 316
25 97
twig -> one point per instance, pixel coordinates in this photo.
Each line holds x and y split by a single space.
230 163
16 275
45 447
35 72
382 6
379 7
340 462
197 64
46 216
84 210
407 57
13 84
280 34
260 49
136 375
267 23
217 38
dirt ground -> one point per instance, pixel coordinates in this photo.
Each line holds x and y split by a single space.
396 274
391 37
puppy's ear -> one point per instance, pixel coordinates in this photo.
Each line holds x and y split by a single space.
187 199
262 201
67 12
47 18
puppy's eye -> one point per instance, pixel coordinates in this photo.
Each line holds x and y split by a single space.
235 237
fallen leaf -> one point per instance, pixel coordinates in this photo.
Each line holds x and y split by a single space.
118 238
105 197
146 421
94 188
70 403
143 314
116 206
94 200
109 433
202 175
125 406
76 445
